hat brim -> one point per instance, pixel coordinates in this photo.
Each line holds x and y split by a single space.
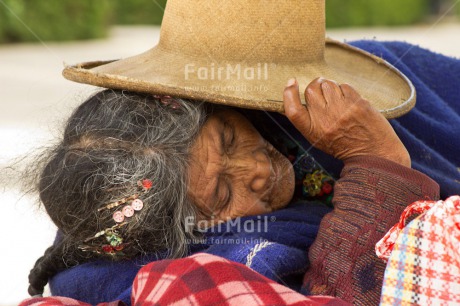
250 85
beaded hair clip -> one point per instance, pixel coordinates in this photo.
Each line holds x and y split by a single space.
115 244
168 101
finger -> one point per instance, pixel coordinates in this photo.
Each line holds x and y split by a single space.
291 99
314 94
293 108
331 92
350 93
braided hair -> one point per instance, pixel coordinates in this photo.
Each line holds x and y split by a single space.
110 142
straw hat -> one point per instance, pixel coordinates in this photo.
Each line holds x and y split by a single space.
242 53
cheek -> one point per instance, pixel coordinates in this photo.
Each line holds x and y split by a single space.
283 191
246 203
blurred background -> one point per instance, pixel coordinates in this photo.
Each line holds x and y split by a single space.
60 20
38 37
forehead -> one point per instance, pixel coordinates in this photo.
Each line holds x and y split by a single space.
205 155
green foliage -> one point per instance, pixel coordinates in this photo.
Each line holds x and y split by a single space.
31 20
25 20
342 13
139 11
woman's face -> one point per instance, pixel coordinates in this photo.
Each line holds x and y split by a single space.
235 172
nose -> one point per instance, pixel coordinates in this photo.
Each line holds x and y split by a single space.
254 169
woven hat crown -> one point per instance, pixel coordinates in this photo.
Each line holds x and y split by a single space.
254 31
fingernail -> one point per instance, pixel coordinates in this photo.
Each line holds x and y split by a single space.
291 82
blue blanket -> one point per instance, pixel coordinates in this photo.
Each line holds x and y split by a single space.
431 132
274 244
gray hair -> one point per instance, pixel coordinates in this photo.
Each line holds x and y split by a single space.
110 142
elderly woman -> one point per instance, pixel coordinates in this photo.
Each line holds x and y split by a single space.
132 170
138 178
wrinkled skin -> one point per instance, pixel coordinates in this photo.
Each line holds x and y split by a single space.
235 172
339 122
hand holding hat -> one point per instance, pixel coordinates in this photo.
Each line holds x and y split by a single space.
338 121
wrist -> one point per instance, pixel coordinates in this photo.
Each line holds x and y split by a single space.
397 153
402 158
392 150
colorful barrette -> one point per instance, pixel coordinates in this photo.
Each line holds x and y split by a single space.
114 240
168 101
128 210
134 204
143 185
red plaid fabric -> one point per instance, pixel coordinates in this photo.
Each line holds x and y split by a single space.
202 279
62 301
384 247
424 257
